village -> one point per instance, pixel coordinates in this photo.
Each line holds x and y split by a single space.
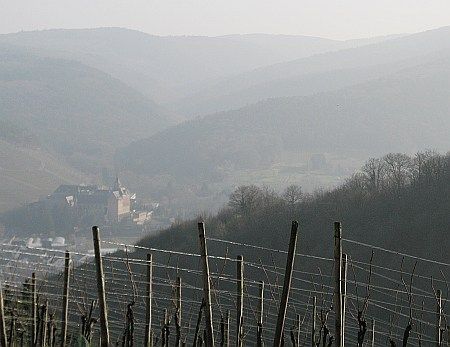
114 209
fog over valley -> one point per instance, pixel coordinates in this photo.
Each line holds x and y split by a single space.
217 175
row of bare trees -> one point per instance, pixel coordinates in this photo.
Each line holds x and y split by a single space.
391 172
396 170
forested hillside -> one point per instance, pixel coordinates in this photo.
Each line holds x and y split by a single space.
72 109
319 73
195 74
59 118
406 111
166 67
397 202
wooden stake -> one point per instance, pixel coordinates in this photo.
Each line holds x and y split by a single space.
222 331
178 312
205 338
438 318
344 294
12 332
259 340
163 329
166 328
33 332
225 330
51 330
206 286
3 336
372 342
148 302
65 308
240 301
44 320
297 335
448 335
104 329
197 326
279 329
338 338
313 323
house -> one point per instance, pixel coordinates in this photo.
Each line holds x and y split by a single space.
111 205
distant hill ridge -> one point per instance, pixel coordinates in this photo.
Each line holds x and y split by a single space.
320 72
168 67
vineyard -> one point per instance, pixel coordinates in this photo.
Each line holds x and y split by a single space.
225 293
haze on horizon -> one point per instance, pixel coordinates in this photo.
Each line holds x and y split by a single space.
348 19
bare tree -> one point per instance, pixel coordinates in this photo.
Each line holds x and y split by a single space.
245 198
398 169
292 195
374 171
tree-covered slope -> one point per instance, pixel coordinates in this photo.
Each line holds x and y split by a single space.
167 67
158 65
406 111
396 202
318 73
72 109
59 118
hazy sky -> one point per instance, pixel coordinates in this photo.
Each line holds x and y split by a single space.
339 19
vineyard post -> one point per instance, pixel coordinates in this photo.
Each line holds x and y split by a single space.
338 338
344 294
12 331
178 312
197 326
372 342
260 316
286 286
313 323
438 318
33 341
152 336
104 329
227 329
166 330
206 286
222 331
148 302
3 338
65 308
44 320
240 301
51 331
